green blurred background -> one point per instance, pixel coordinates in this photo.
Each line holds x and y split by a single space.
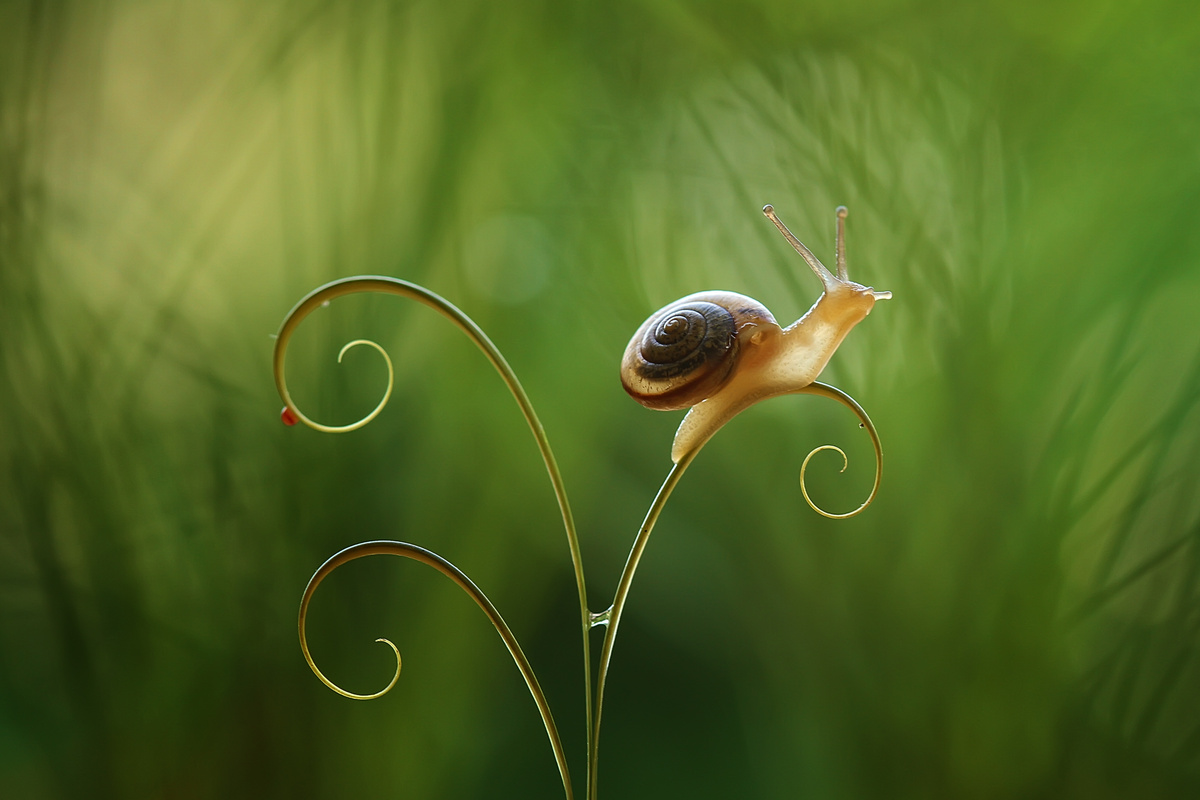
1016 616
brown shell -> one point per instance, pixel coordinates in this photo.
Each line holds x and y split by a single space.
685 351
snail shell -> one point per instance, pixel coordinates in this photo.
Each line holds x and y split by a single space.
687 350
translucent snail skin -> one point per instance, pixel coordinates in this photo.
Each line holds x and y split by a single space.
718 353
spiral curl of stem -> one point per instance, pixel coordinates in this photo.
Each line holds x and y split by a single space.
432 559
834 393
321 296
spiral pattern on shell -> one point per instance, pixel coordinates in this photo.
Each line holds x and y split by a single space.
680 355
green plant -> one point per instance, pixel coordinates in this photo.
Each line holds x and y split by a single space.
714 353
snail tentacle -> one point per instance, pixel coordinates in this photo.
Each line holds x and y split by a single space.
432 559
840 245
822 272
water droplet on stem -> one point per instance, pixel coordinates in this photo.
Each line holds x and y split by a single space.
599 620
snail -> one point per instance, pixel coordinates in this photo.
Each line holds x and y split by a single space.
718 353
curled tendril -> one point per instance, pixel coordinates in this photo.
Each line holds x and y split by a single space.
432 559
383 284
321 574
834 393
387 394
804 487
320 297
293 319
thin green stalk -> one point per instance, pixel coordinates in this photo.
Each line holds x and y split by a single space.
613 615
389 285
452 572
618 606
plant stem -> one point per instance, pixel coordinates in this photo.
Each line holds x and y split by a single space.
388 285
614 612
432 559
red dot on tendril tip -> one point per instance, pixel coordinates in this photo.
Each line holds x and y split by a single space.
288 417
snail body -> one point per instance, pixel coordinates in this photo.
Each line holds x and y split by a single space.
718 353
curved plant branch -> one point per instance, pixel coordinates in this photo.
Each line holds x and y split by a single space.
388 285
452 572
612 617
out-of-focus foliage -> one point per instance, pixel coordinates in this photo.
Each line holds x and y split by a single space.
1018 614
